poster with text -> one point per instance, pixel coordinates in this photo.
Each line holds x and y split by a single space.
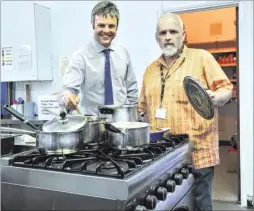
6 58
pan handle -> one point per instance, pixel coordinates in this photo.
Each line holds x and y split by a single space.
16 130
106 110
20 116
112 128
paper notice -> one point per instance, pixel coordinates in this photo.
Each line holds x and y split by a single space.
46 103
64 63
6 58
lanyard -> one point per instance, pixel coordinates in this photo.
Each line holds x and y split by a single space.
163 79
162 84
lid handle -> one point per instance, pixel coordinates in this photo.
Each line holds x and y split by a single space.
62 114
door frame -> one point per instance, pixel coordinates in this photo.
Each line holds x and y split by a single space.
245 36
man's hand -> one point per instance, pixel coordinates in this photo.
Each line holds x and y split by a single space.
70 101
219 98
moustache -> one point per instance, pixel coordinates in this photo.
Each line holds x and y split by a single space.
169 44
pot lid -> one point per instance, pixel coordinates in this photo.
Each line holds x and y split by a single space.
69 123
198 97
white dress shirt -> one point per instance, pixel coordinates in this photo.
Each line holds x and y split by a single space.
85 76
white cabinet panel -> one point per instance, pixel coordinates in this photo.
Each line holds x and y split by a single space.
26 28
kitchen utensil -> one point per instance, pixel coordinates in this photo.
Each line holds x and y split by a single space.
128 135
15 130
28 93
119 113
94 130
20 100
52 142
158 135
198 97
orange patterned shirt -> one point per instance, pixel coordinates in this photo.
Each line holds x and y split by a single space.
180 115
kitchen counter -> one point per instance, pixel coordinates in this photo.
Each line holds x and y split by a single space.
10 121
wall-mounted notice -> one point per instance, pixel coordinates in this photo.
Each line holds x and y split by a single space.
64 63
46 103
6 58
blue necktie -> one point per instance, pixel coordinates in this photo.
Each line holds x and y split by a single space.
108 100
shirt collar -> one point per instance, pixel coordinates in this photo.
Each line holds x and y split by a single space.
181 57
99 48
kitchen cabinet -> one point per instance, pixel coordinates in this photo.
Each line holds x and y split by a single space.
26 32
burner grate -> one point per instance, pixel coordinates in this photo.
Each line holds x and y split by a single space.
101 160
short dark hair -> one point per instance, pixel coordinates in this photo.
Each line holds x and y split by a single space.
105 8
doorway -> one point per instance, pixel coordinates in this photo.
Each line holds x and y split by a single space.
216 31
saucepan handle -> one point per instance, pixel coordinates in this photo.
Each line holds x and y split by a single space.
112 128
20 116
106 110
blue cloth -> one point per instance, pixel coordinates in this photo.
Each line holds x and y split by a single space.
108 98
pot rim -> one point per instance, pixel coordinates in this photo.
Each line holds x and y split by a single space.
142 125
118 106
61 132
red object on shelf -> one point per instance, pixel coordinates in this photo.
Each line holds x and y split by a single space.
232 149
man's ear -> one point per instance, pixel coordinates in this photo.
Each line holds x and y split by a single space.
184 34
156 37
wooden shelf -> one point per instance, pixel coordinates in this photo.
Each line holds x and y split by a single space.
222 50
228 65
233 80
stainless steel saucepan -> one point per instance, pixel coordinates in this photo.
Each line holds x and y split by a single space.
60 135
94 130
128 135
119 113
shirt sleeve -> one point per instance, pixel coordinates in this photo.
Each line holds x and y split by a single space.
215 77
142 104
73 76
131 83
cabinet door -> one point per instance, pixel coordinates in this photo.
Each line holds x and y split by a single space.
43 42
25 33
17 30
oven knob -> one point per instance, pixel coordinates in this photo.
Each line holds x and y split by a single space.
185 173
170 186
161 193
150 202
140 208
178 179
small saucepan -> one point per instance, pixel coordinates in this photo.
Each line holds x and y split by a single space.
128 135
60 135
158 135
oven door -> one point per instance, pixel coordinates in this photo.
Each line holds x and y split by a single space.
187 203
